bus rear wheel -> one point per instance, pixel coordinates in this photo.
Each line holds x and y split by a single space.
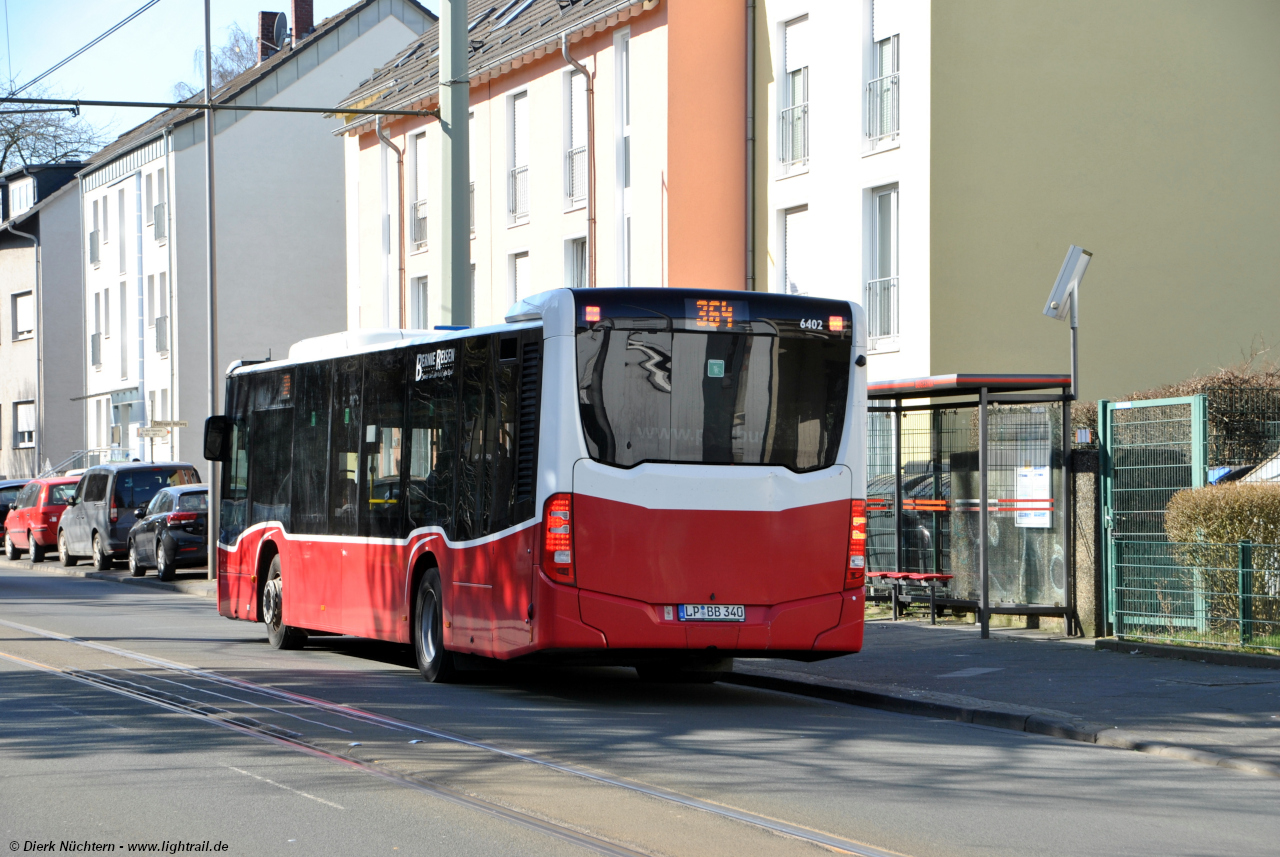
434 660
279 635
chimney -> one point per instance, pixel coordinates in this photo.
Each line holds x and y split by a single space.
267 35
303 19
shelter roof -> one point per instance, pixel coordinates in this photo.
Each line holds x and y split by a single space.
959 384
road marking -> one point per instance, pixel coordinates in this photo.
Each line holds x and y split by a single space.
970 672
283 786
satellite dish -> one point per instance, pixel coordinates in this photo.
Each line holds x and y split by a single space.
281 34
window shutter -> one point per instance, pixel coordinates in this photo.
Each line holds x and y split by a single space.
577 110
26 313
521 276
520 131
797 45
884 19
26 417
420 166
795 251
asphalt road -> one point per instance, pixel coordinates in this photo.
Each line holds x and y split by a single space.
161 721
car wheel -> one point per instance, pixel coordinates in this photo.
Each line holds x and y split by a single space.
64 552
135 567
37 549
101 559
164 570
10 549
434 660
280 635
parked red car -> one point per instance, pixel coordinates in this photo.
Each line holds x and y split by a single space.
32 524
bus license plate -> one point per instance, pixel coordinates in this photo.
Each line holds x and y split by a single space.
713 613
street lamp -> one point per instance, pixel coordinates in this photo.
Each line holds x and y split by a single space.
1067 290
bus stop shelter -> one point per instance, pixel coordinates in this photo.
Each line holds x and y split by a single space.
969 486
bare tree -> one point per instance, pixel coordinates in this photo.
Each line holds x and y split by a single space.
42 137
238 55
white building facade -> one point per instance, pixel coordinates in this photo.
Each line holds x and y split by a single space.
280 232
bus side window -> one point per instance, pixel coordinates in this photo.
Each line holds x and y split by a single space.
471 508
311 448
501 414
383 421
235 474
271 456
433 443
344 446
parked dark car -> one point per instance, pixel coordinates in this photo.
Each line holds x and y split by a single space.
171 532
32 524
102 512
9 489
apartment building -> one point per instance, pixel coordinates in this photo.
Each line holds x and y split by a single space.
281 254
934 160
659 115
41 418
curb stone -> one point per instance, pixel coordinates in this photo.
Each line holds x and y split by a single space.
198 588
999 718
1186 653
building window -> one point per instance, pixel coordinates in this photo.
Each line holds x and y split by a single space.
519 184
106 313
162 315
418 209
575 159
622 132
149 196
881 299
795 251
882 93
151 300
575 263
164 404
159 214
98 430
94 237
24 315
418 295
24 424
124 336
105 218
793 125
120 221
521 278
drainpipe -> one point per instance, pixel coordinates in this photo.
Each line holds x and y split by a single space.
591 159
168 246
386 141
39 332
144 444
751 145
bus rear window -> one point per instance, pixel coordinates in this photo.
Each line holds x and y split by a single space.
712 398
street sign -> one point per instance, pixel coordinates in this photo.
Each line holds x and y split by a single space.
168 423
153 432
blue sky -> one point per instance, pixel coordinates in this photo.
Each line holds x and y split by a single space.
140 62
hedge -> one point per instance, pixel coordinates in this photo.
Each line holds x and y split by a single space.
1225 514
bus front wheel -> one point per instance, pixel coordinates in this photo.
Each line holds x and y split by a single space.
434 660
280 635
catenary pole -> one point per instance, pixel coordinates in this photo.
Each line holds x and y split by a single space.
211 274
455 102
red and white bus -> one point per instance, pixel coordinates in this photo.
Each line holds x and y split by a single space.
665 478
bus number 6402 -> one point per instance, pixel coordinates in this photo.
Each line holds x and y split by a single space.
811 324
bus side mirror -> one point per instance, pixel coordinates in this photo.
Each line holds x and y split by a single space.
217 436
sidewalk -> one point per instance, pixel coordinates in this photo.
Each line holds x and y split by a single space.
188 581
1035 682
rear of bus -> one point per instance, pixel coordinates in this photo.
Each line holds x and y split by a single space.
702 455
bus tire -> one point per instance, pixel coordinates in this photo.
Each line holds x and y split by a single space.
279 635
434 660
64 550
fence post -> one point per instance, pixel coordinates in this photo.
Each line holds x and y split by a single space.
1113 586
1246 592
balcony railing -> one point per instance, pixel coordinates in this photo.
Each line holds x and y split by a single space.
575 175
881 304
157 215
419 214
162 334
93 248
520 192
95 346
882 108
793 135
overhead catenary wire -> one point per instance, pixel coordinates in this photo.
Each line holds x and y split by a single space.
200 105
41 77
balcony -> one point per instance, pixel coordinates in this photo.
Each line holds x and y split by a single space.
575 176
418 213
519 208
882 109
95 347
793 136
157 215
94 257
162 334
881 304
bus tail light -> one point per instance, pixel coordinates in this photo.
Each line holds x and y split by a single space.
856 573
557 539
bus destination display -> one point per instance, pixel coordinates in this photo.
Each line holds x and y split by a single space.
715 314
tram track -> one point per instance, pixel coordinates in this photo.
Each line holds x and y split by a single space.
192 680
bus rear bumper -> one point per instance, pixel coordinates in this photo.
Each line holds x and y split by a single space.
569 618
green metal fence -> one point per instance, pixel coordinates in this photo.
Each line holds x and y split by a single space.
1219 594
